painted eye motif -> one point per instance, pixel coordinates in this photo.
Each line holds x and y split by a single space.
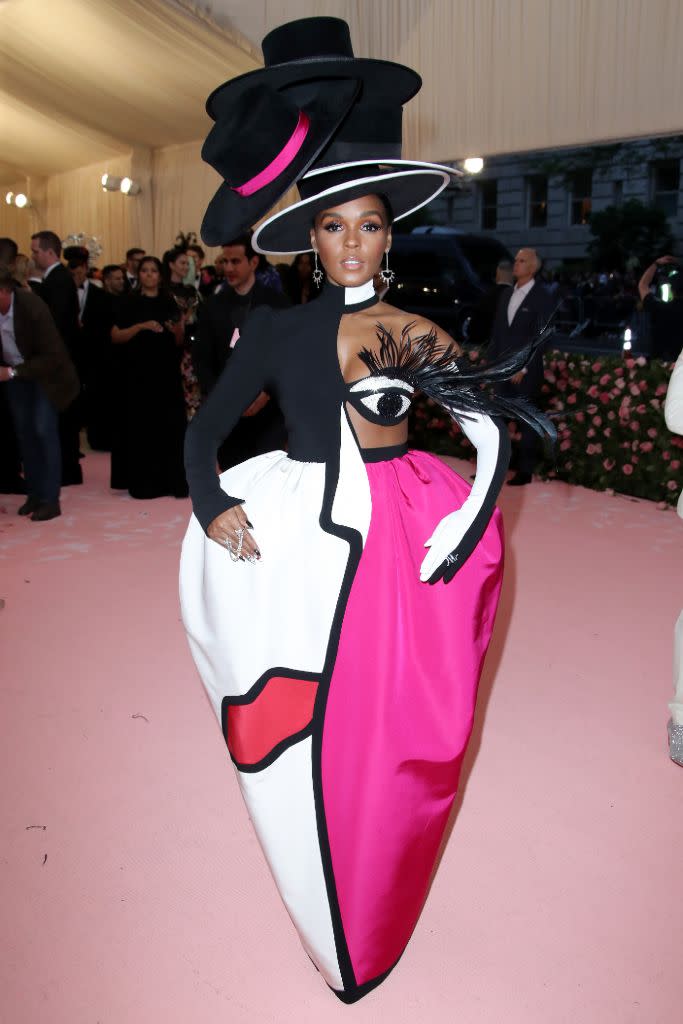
384 400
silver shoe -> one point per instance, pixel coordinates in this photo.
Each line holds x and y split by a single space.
675 742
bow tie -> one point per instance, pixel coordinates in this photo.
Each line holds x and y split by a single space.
81 287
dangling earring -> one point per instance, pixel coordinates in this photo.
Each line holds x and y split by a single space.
317 272
386 275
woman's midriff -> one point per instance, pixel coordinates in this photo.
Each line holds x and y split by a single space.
372 435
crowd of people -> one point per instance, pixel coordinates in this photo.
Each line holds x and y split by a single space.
142 342
148 339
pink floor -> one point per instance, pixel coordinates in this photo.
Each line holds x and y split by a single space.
134 891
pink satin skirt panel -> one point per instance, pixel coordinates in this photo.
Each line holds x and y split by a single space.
401 704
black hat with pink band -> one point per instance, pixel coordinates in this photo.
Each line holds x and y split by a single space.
274 123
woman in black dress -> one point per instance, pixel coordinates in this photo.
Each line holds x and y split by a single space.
147 457
175 266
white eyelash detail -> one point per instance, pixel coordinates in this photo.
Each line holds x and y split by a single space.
381 384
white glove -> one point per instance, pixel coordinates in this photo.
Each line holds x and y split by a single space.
458 533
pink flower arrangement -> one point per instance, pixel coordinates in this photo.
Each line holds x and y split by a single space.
611 432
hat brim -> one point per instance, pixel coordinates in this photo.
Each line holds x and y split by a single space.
384 77
229 214
288 232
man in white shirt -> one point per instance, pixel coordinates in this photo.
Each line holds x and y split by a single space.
520 315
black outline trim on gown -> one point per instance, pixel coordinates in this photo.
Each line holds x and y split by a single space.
248 698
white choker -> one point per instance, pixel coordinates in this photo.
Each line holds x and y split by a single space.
363 292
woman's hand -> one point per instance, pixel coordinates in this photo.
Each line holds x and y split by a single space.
151 325
229 527
177 328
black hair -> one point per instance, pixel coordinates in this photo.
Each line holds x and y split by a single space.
170 256
9 251
7 282
48 240
109 270
244 240
196 248
164 289
134 252
388 208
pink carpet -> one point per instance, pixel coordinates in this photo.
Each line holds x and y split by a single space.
134 891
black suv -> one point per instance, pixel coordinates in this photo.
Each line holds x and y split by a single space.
442 273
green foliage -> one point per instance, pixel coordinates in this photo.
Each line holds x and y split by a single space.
632 230
608 413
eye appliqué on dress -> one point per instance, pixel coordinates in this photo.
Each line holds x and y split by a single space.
380 399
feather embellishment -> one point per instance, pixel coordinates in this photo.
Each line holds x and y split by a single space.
450 379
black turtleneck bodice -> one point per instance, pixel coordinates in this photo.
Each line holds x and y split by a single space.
292 354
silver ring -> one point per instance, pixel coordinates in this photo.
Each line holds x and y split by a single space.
234 553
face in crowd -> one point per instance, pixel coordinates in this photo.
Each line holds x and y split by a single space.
79 274
133 262
351 240
197 257
149 275
114 282
239 269
526 265
179 267
43 258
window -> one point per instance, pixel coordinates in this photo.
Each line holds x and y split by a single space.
665 177
581 202
537 201
617 193
488 204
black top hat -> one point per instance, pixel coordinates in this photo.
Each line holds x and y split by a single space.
314 48
261 143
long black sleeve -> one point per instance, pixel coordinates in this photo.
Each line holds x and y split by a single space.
246 374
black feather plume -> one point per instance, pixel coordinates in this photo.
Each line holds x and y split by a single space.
449 378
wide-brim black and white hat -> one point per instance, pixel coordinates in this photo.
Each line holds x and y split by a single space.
407 184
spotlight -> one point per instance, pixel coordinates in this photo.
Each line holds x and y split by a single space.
473 164
628 344
9 198
130 187
21 200
110 183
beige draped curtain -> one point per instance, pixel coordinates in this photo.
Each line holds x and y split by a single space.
504 76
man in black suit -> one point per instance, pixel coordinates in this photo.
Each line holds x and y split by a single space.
58 292
95 320
38 379
520 315
221 319
484 313
133 257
